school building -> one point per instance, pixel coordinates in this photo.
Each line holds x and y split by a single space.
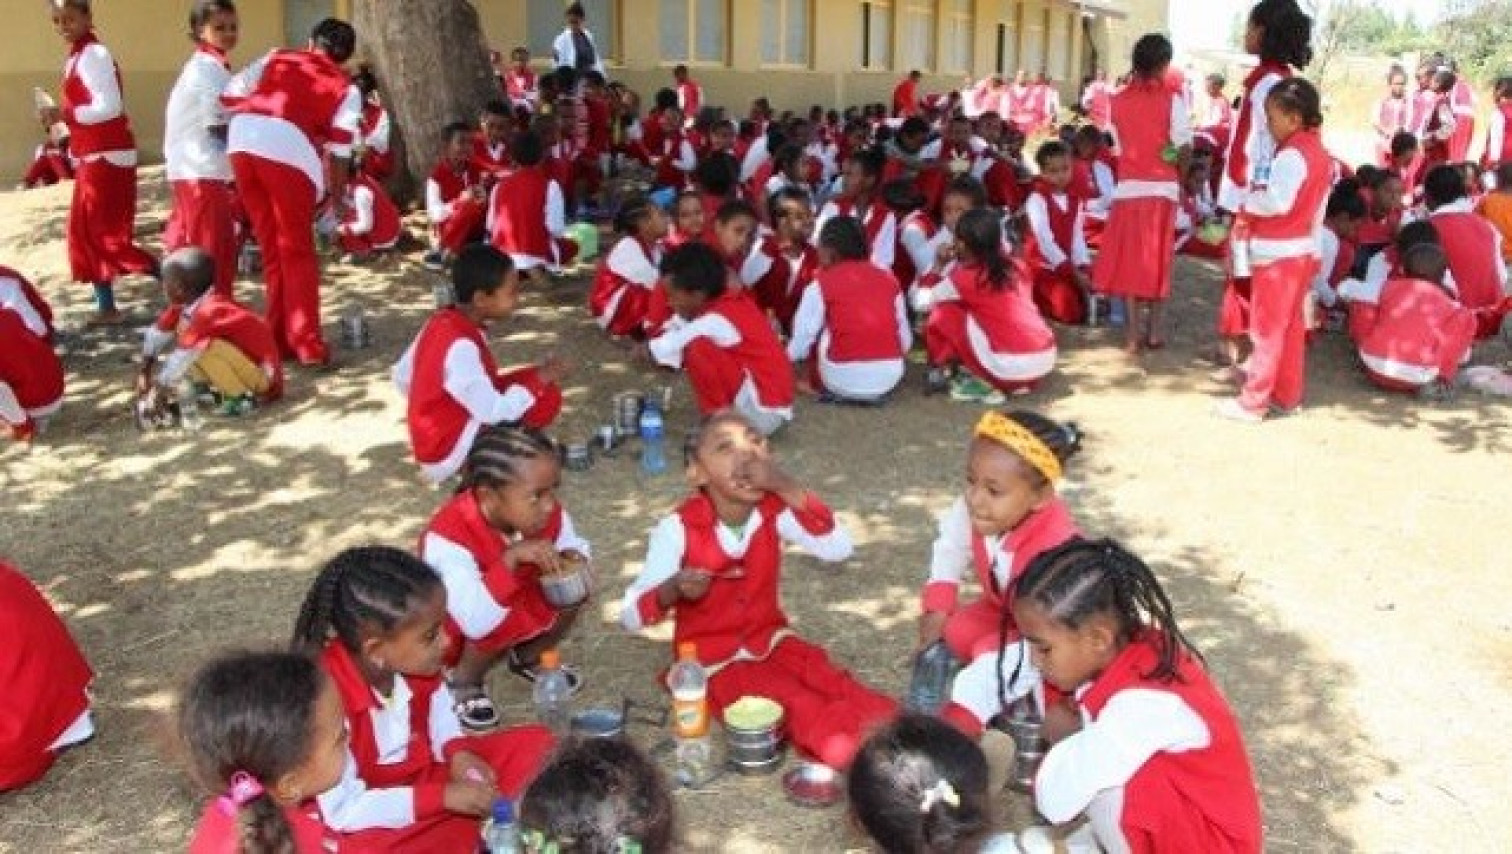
795 52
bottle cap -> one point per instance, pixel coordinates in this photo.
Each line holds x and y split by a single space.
551 659
687 651
503 811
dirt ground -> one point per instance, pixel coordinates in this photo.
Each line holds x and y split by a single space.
1340 567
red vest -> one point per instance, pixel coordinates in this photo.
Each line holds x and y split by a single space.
453 182
1007 317
1238 153
520 85
1062 223
872 219
1142 117
519 214
1303 218
860 310
903 263
435 418
607 282
486 162
1039 532
110 135
1215 782
691 97
220 318
386 225
1469 242
759 351
304 88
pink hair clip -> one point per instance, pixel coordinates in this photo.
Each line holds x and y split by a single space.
243 790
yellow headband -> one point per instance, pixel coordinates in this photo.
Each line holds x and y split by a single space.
1016 437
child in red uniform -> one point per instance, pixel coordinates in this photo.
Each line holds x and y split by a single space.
716 561
627 277
266 735
50 161
527 213
1150 123
31 375
1197 212
1391 112
1148 749
917 231
456 201
375 619
1280 220
100 243
1095 178
1009 514
1442 122
1217 114
859 197
598 794
983 325
216 343
1056 247
375 154
370 220
449 376
852 325
792 222
491 544
45 706
690 98
490 150
1499 130
1473 246
520 80
1420 333
723 341
1337 240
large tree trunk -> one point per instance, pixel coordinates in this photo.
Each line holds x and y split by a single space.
432 66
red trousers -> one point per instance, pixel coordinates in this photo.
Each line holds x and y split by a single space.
974 630
50 167
1058 296
946 342
1276 373
465 225
1234 308
828 711
715 375
1488 320
204 216
360 243
516 756
280 203
100 222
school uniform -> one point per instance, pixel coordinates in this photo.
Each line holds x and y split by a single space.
1137 244
1462 105
915 253
487 604
672 157
973 632
622 289
1022 112
945 161
1498 140
1474 249
197 167
1336 258
101 216
453 387
690 100
45 705
527 218
1252 147
1055 248
852 328
1391 116
1217 122
456 216
733 360
288 110
522 88
373 132
1284 217
1157 766
219 343
371 220
880 224
1190 215
50 161
1438 133
905 98
744 640
391 795
1097 101
490 160
997 335
31 375
1419 334
219 831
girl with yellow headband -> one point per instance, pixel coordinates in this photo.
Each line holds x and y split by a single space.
1009 514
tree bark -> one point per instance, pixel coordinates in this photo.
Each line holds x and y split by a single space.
432 66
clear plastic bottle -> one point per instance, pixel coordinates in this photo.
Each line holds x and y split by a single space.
552 694
653 439
500 834
690 717
930 685
191 420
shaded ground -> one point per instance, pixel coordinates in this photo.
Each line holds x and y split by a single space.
1340 568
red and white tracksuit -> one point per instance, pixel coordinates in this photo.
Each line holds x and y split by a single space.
1462 105
521 88
197 166
453 387
997 335
733 360
391 794
103 211
881 226
1335 259
1252 146
457 216
1473 247
1391 116
1418 334
1156 766
191 329
744 641
852 328
371 220
31 375
288 110
1055 248
527 216
487 604
373 132
915 253
1097 100
622 289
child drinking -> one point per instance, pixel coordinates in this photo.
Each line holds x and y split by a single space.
1056 246
723 341
1149 750
491 544
267 736
375 618
450 379
983 325
598 795
852 326
1009 514
627 276
31 374
716 562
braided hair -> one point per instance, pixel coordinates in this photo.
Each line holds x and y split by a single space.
498 452
362 587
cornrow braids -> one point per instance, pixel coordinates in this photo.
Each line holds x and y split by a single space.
362 586
497 453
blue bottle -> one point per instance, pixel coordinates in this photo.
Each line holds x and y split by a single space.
930 686
501 835
653 440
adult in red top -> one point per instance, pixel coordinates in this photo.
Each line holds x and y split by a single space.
100 246
905 96
288 110
44 707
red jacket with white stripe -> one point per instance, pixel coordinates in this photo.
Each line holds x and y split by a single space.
1062 226
84 139
1299 220
860 312
519 214
1416 328
1008 317
305 88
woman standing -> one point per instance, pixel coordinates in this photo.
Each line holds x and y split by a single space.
575 46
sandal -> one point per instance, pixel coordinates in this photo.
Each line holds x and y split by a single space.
475 710
528 673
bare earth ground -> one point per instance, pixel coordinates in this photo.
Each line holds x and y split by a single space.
1344 569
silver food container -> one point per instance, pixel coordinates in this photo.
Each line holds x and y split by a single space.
570 587
754 751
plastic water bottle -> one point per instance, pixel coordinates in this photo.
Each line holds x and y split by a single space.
552 694
930 685
653 439
190 417
690 717
501 835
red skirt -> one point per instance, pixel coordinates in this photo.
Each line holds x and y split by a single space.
1137 249
100 223
1234 308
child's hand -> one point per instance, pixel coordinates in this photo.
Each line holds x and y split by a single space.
1061 721
469 768
763 473
469 797
931 629
691 584
50 116
554 369
1083 279
542 553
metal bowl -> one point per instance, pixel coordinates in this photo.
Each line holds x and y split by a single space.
571 586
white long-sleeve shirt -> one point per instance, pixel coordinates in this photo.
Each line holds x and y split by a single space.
854 380
194 144
1039 222
1279 196
280 140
